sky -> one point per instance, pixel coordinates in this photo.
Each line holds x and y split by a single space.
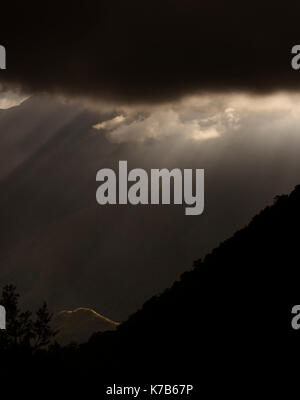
161 85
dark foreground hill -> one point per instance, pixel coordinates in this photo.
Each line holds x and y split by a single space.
226 324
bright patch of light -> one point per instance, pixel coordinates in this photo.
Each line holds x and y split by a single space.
10 99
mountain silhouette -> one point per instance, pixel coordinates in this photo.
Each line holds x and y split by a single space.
226 324
78 325
230 314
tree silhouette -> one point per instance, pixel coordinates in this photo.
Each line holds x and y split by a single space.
22 330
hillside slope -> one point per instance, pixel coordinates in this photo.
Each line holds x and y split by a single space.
231 314
226 325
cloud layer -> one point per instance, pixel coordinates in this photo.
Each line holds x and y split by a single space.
150 51
196 118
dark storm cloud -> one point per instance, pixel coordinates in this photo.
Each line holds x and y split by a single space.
142 50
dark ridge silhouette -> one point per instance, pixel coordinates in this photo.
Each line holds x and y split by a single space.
225 325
